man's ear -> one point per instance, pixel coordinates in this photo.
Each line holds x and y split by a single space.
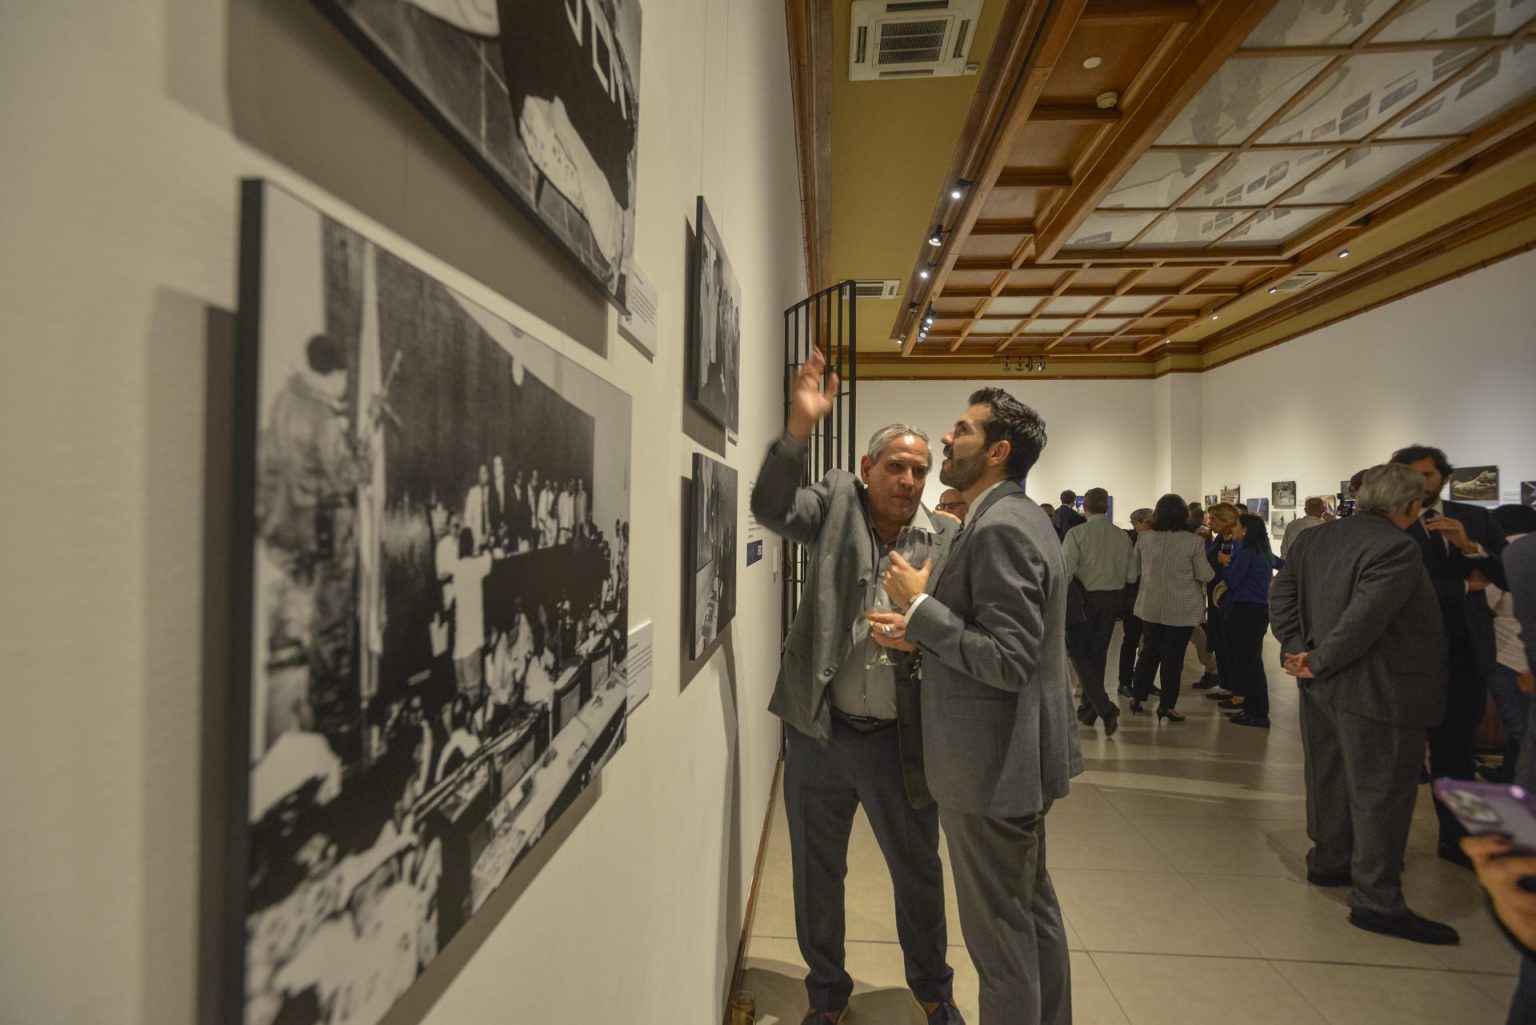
865 465
998 454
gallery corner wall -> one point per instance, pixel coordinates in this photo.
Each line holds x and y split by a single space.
124 134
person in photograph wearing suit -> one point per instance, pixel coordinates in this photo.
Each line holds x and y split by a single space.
1000 738
1359 628
1461 545
853 729
477 508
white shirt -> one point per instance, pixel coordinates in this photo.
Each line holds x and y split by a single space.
469 604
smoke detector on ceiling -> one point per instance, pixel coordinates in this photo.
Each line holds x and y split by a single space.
911 38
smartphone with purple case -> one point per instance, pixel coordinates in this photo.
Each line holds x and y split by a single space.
1484 808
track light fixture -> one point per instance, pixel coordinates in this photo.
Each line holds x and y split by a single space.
958 192
937 237
1343 253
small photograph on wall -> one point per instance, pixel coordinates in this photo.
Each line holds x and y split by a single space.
1259 507
540 95
1475 484
437 614
1232 495
1277 525
714 327
1211 500
1283 494
1344 488
1528 492
712 551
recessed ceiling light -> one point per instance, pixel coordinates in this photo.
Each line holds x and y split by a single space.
923 274
1093 62
1273 290
1343 253
1215 317
1106 101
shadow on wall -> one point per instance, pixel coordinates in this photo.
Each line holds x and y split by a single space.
301 93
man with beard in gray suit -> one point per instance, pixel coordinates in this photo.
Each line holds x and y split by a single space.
999 735
1359 626
852 732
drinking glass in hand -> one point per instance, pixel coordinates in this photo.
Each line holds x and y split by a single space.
914 545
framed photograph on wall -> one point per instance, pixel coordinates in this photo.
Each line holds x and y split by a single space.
1283 494
1211 500
1528 492
1277 524
542 96
1232 495
712 551
1344 488
1475 484
430 618
1259 507
714 327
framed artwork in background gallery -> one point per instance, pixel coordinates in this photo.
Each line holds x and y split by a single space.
714 326
1277 524
1282 494
1474 484
1344 488
1259 507
712 552
1211 500
542 96
430 614
1232 495
1528 492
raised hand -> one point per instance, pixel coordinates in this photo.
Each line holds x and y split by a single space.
809 400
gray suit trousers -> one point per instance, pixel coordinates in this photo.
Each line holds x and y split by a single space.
1010 918
1362 826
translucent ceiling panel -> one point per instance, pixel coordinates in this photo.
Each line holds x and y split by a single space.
997 325
1108 230
1239 98
1271 226
1159 178
1013 305
1256 177
1507 78
1048 326
1360 171
1317 22
1132 304
1365 92
1437 19
1071 305
1191 228
1102 325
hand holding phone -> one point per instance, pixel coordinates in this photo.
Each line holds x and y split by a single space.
1492 809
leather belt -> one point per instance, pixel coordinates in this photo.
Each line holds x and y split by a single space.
862 723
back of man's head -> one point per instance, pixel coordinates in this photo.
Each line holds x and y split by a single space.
1096 500
1314 507
1389 489
1140 516
1069 498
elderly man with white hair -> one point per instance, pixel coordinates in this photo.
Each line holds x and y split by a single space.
1359 628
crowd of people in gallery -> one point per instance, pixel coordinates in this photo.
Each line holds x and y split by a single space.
1398 614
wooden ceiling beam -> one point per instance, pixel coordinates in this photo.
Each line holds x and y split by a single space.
1085 112
1003 228
1090 292
810 77
1033 180
1140 12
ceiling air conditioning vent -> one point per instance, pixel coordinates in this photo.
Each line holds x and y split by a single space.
1302 281
869 288
918 38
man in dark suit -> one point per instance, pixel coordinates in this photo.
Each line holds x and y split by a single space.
853 732
1358 625
999 736
1066 515
1460 545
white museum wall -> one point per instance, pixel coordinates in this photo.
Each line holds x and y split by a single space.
1099 433
1452 366
127 128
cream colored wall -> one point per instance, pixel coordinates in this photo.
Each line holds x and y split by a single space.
126 127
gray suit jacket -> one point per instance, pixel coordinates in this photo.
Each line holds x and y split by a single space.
999 735
829 518
1356 595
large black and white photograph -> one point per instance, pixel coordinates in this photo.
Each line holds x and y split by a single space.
1475 484
438 617
711 551
714 327
541 95
1282 494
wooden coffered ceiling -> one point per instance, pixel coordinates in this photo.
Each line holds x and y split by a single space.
1161 185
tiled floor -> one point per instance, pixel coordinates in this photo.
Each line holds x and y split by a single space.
1178 860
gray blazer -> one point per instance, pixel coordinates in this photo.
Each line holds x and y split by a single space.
999 736
829 518
1356 596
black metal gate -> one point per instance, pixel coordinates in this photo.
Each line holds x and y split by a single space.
828 320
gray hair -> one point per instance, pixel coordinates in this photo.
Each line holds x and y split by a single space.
1141 516
885 435
1389 489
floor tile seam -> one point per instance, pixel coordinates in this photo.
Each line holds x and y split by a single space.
1350 964
1287 983
1292 960
1124 1013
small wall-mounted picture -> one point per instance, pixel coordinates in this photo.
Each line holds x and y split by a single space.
715 327
1528 492
712 551
1475 484
1282 494
1232 495
1211 500
1277 525
1259 507
1344 489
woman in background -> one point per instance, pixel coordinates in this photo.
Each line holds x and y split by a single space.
1247 572
1171 602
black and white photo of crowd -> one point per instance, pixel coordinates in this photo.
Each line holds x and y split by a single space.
543 93
716 327
712 550
440 613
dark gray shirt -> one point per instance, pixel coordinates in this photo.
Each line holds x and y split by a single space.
856 690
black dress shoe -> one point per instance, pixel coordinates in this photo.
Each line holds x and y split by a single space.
1231 702
1111 724
1124 691
1329 878
1454 854
1219 694
1407 925
1137 708
1206 682
1248 719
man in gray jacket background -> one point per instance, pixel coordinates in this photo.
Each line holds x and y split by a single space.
999 735
1359 625
853 736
